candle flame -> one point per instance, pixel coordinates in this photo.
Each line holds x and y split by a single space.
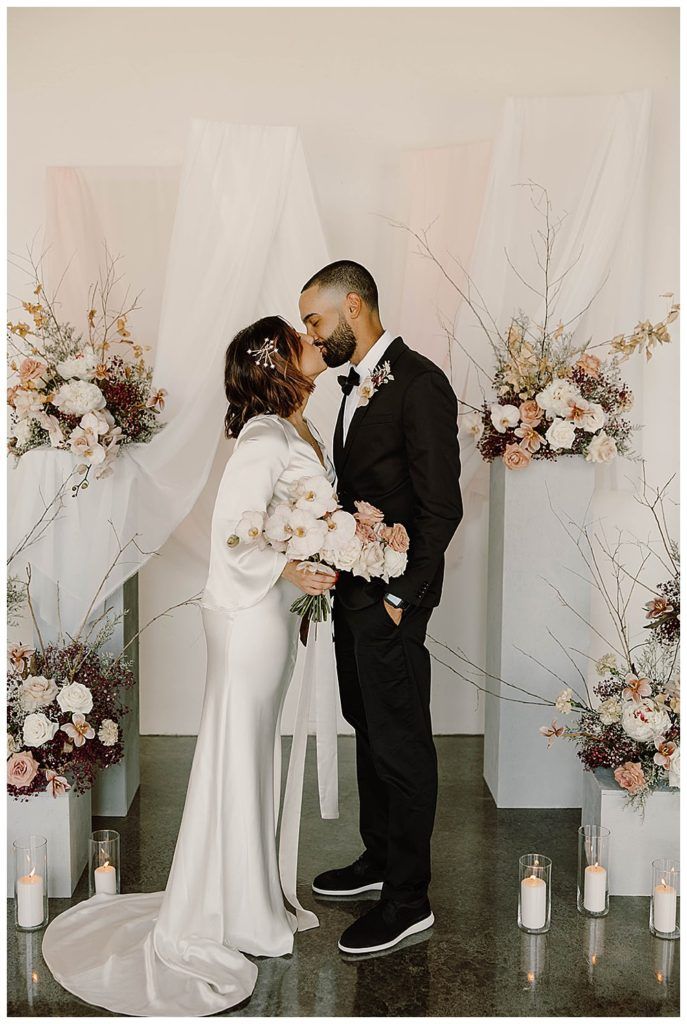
595 959
659 977
663 881
531 976
34 976
597 864
106 864
32 872
536 862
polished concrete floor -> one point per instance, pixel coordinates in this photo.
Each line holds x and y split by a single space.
474 962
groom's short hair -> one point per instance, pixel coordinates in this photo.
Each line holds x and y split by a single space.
348 276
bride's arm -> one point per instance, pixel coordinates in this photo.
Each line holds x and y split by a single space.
241 576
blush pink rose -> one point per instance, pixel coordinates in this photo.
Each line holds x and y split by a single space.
530 413
396 537
630 776
589 364
516 457
21 769
365 532
31 369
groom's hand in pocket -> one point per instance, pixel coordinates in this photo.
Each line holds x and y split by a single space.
395 613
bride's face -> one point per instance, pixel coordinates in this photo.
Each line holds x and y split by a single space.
311 362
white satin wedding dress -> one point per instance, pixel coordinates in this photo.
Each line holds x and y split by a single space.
181 952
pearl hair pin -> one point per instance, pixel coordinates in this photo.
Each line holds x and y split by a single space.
263 354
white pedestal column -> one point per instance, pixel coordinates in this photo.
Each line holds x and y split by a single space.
65 821
527 546
635 840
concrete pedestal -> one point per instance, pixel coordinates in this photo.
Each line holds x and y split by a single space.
65 821
527 547
635 840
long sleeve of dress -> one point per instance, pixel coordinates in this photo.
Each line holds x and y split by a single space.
241 576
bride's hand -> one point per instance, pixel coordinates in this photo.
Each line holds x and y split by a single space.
308 582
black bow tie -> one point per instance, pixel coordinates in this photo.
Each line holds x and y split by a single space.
350 382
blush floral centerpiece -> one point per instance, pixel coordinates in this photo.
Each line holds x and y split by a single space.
549 394
313 528
88 393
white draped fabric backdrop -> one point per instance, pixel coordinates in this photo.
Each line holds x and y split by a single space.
232 236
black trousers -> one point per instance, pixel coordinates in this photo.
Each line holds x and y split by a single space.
384 679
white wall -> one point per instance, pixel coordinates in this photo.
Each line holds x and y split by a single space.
118 86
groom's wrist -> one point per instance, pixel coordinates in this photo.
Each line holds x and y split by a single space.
395 601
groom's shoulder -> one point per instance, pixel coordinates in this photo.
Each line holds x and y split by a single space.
415 364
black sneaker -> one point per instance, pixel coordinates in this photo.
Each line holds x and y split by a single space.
356 878
385 926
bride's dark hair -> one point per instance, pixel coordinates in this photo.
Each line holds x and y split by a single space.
262 373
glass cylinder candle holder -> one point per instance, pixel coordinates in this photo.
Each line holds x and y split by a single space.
103 863
665 899
31 882
534 893
593 848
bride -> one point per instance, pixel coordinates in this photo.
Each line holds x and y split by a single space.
181 952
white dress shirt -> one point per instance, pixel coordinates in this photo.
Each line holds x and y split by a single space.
364 367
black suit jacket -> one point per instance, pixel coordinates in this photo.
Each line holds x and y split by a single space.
402 455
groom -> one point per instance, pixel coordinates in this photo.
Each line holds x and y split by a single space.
398 451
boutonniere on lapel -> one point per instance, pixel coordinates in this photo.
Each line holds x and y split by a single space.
370 386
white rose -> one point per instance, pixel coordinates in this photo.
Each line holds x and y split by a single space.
504 417
27 402
75 697
602 448
81 366
593 419
22 431
557 397
314 494
79 397
344 558
108 733
674 770
38 729
36 692
561 434
645 721
370 562
308 535
472 425
395 563
610 711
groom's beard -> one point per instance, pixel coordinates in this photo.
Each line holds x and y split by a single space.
338 348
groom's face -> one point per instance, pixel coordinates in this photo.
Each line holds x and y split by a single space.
323 314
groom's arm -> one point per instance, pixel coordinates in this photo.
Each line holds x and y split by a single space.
430 427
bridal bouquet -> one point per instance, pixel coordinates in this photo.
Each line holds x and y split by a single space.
64 709
89 395
313 528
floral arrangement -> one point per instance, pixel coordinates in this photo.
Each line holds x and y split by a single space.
553 396
629 720
555 399
314 529
379 376
64 712
87 395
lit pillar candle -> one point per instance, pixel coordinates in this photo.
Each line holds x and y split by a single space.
30 894
595 888
665 908
106 879
533 902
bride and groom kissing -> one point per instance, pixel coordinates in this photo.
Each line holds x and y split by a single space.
395 447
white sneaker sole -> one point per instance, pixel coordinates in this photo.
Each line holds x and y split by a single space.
372 887
419 926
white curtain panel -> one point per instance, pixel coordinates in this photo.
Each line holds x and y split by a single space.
245 236
591 153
